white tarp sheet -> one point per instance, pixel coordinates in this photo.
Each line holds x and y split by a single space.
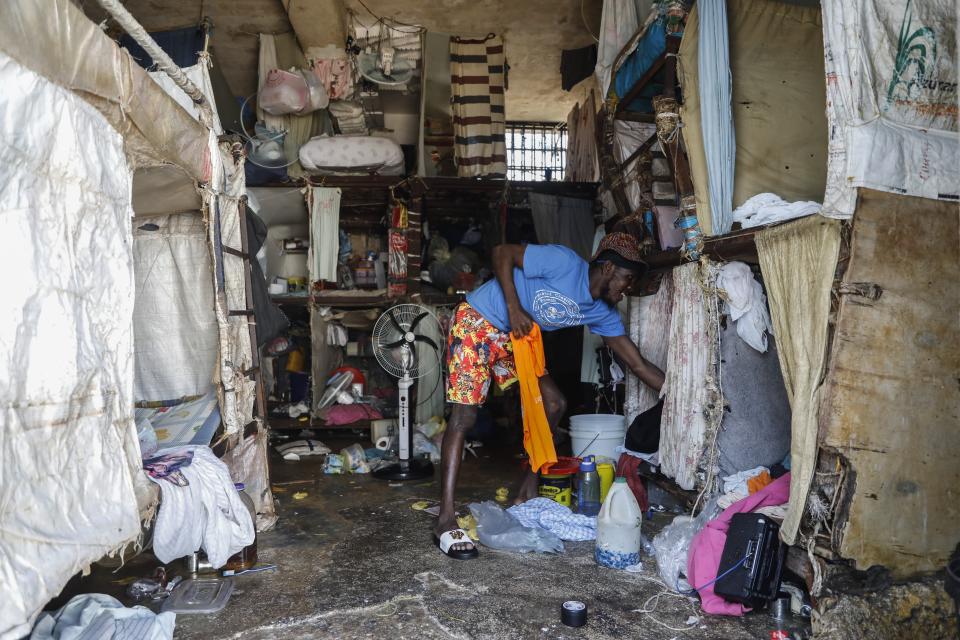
69 458
174 324
891 100
199 75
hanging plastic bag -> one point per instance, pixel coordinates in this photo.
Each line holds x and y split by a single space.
296 92
500 530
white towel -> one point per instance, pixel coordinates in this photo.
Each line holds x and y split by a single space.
747 304
324 205
766 208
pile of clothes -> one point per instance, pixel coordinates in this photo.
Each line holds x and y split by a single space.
200 507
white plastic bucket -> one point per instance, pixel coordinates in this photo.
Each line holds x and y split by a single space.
597 434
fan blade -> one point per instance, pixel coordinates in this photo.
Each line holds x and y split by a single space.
395 322
428 341
416 321
393 345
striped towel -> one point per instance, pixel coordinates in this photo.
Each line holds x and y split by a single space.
477 79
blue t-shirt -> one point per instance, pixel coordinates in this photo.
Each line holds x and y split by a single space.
554 288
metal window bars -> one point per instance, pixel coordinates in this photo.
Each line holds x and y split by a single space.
536 150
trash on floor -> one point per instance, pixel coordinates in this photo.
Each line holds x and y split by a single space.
498 529
299 448
300 495
469 524
354 459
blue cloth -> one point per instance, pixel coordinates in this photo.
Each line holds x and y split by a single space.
182 45
554 288
544 513
650 47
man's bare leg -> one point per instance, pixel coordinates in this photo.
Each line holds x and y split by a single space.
555 405
462 419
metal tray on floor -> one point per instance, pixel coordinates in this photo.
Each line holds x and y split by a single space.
199 595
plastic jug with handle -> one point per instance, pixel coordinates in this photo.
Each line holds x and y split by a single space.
618 528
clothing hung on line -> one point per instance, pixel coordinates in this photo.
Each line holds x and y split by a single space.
324 237
577 65
529 359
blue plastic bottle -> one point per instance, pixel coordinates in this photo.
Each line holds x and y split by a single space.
588 488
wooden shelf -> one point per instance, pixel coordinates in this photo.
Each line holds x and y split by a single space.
736 245
367 302
282 423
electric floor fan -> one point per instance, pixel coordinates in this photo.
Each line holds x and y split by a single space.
403 347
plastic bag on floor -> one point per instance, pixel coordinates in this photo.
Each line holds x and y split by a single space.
672 546
500 530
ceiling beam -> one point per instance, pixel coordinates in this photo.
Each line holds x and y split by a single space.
317 23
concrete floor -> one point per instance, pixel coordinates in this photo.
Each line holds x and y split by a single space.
355 561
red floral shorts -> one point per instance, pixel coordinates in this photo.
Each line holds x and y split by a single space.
477 352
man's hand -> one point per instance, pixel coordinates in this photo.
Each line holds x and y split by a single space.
520 321
629 354
507 257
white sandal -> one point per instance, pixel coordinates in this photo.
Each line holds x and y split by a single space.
456 536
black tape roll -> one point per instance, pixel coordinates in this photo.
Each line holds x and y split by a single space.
573 613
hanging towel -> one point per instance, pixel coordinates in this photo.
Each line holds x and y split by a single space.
324 204
478 82
537 439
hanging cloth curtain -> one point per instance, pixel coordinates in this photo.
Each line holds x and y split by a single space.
798 261
477 77
649 329
716 115
324 205
683 427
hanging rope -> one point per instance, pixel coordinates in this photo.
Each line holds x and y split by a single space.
716 114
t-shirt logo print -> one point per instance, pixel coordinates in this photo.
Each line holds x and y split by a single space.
555 309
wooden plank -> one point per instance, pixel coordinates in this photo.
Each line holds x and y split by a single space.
736 245
891 403
673 45
642 82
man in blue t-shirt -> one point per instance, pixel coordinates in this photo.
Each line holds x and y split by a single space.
555 288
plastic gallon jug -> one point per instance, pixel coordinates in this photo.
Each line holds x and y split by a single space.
588 488
618 528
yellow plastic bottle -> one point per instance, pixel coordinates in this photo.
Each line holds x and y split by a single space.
606 472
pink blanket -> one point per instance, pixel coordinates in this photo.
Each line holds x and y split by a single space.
707 546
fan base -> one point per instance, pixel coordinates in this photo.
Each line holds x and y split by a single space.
414 469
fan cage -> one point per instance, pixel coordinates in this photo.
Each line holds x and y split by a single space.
426 358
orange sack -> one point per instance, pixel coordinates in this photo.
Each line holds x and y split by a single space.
537 439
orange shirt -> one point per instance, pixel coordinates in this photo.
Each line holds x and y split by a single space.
529 359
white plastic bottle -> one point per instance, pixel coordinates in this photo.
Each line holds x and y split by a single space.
618 528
